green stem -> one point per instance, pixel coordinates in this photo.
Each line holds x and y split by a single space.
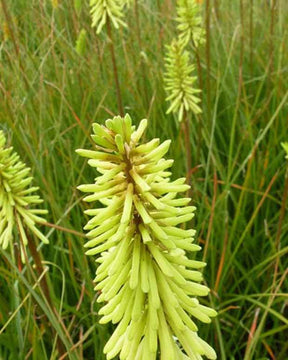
16 303
216 7
271 45
136 9
251 38
279 229
199 117
208 58
238 101
115 71
186 131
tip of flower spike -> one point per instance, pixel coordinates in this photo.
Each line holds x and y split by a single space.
81 188
128 119
139 131
2 138
79 151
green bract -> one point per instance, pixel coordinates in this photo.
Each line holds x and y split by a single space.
179 84
147 281
190 22
101 10
285 147
16 199
81 42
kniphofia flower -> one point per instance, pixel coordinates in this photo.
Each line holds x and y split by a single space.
17 200
179 81
190 22
102 10
148 283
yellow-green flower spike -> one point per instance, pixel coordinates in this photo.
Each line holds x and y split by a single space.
101 10
17 199
285 147
179 83
190 22
149 285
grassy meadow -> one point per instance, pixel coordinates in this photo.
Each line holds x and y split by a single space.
50 95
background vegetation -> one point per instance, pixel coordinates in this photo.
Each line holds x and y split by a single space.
49 97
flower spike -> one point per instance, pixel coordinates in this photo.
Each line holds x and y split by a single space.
148 284
180 85
17 199
190 22
101 10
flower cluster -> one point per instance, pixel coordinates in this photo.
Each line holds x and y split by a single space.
179 83
148 283
101 10
190 23
17 198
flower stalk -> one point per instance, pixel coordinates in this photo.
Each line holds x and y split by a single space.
115 70
107 12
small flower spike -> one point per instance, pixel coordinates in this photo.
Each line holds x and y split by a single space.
101 10
190 22
17 199
148 284
179 84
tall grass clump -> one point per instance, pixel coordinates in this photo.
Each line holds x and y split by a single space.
148 283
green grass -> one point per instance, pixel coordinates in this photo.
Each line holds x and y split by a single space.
50 96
